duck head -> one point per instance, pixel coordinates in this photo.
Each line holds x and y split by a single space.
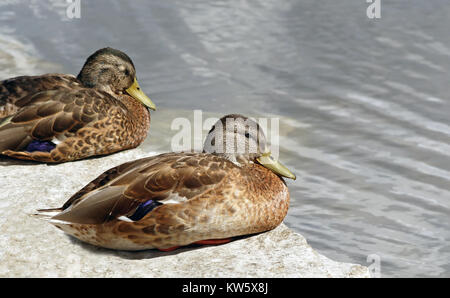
112 71
241 140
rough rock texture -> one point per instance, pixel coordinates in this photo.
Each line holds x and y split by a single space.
30 247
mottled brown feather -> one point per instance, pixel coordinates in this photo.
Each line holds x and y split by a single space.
221 200
92 123
15 89
154 178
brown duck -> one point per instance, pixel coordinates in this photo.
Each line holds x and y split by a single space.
58 118
175 199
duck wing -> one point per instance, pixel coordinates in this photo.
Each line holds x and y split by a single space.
12 90
49 114
163 179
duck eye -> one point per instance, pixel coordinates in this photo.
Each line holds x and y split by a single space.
247 135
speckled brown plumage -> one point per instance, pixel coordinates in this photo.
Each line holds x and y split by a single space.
83 118
221 200
192 196
92 123
12 90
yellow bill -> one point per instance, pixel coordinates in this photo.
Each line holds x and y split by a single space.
136 92
267 161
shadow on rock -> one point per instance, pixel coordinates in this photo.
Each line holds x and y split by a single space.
143 254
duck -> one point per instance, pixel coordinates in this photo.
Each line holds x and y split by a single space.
55 118
177 199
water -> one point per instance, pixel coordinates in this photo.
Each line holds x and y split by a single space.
363 103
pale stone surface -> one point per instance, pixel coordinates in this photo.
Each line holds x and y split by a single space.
30 247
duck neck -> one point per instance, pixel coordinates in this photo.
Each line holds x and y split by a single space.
271 182
141 114
269 191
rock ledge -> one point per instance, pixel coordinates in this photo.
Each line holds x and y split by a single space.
33 248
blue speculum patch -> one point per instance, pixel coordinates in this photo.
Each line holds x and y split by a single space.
143 209
42 146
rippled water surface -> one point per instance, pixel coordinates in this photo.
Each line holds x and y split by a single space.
363 104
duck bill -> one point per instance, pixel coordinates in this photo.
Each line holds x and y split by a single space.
267 161
136 92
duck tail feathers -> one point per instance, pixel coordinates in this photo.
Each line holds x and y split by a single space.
46 214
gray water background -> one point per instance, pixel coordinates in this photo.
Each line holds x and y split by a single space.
363 103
